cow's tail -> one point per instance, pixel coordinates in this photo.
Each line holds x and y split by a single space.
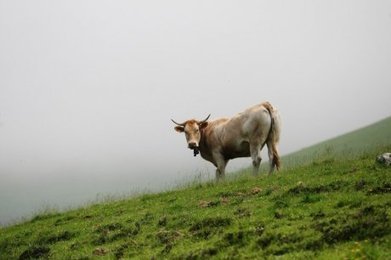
273 137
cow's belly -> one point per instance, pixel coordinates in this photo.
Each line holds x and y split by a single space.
237 150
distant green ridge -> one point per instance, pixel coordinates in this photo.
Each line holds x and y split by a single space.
350 145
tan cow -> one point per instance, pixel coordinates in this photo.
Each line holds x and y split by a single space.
243 135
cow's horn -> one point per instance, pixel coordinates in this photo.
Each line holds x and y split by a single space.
206 119
183 124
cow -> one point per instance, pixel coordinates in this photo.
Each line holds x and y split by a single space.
242 135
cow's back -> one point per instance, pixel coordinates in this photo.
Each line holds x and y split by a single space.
232 137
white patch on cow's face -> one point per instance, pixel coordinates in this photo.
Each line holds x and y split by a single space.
193 134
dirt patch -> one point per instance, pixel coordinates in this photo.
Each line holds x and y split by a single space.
256 190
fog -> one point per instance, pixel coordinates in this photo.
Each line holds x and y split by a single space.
88 88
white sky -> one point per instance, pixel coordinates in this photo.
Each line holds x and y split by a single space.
87 88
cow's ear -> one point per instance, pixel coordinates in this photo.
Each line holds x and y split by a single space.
179 129
203 125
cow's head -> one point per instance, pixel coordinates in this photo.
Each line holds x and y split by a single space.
192 129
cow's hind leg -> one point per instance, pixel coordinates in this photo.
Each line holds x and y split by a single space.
255 151
274 158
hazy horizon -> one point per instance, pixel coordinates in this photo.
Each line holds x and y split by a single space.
88 88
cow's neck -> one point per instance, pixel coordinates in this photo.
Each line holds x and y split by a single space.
204 146
203 142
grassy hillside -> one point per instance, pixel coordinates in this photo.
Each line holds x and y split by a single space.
331 207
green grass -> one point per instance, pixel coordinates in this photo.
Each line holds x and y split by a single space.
330 207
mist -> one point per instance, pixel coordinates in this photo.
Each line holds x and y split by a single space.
87 89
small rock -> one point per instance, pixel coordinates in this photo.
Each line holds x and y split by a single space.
384 159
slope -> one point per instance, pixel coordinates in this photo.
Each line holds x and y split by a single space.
330 207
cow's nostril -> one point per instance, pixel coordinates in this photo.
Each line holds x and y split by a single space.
192 145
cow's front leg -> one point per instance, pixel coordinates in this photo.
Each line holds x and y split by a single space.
220 172
220 164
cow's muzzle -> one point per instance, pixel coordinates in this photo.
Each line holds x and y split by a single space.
194 147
